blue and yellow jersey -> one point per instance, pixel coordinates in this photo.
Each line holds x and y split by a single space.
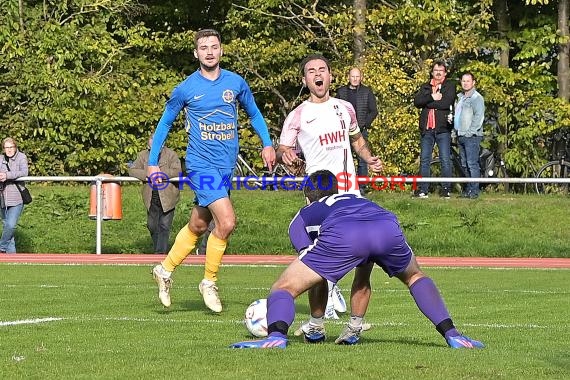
211 119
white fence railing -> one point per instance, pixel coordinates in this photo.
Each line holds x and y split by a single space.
99 180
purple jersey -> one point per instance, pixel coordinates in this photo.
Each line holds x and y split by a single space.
342 231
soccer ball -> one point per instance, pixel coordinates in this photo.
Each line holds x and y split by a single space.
256 318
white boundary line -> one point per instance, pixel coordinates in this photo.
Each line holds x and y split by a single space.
240 322
30 321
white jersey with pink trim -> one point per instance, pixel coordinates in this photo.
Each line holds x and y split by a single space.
322 132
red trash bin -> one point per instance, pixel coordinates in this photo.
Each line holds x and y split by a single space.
112 208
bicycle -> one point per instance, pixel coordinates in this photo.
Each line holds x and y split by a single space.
245 170
491 162
558 167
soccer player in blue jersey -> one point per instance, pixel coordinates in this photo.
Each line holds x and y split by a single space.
334 234
210 97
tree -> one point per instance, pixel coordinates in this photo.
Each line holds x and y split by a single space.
75 88
82 82
359 31
563 50
503 20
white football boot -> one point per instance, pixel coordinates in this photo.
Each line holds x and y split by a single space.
209 292
164 285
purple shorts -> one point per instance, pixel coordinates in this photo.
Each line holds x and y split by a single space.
341 248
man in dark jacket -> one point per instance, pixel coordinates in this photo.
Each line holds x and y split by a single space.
435 98
364 103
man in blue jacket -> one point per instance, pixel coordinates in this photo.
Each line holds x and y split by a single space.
468 122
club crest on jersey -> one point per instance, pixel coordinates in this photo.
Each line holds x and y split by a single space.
228 96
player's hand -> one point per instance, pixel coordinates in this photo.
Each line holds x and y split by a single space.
268 155
375 164
289 157
150 173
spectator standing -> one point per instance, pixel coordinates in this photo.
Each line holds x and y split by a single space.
468 122
13 165
160 204
364 103
435 99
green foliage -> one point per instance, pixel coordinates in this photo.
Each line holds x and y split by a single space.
78 94
82 84
521 102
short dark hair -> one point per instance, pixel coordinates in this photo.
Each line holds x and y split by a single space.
312 57
206 33
439 62
321 183
470 74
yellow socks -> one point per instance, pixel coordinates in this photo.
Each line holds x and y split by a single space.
183 245
214 253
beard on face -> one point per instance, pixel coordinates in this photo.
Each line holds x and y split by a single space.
211 64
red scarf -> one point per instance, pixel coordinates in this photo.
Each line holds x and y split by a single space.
435 87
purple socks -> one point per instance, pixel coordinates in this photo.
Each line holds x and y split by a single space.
431 304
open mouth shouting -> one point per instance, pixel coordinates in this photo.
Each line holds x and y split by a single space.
319 88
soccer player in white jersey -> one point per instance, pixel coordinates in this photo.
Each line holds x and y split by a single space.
325 128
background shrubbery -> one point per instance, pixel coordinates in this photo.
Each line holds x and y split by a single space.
82 82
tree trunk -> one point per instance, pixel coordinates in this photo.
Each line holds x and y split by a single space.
359 32
503 18
563 51
21 14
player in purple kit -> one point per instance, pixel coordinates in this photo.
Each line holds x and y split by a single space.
327 132
335 233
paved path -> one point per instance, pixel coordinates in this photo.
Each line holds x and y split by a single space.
486 262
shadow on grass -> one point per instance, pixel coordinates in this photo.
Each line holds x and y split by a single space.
402 341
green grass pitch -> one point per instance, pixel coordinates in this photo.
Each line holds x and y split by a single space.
105 322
